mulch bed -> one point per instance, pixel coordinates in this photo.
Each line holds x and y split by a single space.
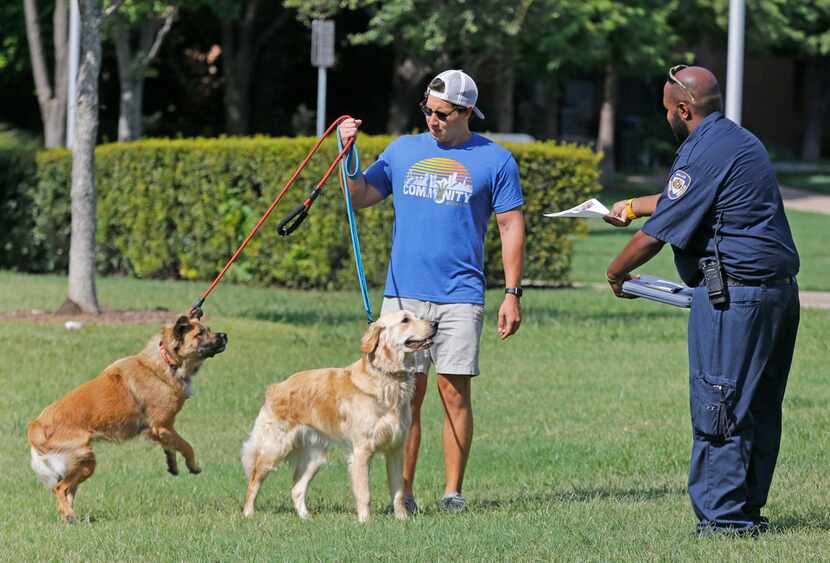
113 317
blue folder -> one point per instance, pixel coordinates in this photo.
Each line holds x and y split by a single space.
660 290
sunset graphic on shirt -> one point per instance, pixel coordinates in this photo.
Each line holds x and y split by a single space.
442 180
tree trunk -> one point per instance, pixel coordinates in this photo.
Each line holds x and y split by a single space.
607 116
238 48
82 243
52 102
406 91
132 87
133 68
816 78
130 126
504 93
550 107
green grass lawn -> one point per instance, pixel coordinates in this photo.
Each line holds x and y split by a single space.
581 447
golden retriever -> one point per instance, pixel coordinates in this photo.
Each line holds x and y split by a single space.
365 407
140 394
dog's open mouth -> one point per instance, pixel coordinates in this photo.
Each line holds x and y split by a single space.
416 344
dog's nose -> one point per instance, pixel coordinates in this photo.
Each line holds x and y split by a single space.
222 336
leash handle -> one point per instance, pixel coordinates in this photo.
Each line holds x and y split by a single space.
276 201
195 311
298 215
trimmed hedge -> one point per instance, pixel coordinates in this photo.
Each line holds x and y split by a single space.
179 208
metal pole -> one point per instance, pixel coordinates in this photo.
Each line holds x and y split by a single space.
321 99
735 60
72 75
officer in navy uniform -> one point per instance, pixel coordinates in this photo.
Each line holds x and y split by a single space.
722 213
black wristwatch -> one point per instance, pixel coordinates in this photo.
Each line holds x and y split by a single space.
517 291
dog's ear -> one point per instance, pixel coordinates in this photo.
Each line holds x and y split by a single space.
370 338
181 327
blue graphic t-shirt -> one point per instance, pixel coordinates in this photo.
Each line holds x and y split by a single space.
443 198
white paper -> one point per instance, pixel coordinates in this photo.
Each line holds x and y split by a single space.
590 208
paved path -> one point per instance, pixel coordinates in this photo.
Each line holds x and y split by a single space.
815 299
802 200
808 299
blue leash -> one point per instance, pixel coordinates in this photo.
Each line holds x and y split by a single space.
349 168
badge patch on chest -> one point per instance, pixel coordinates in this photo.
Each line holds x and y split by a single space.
678 184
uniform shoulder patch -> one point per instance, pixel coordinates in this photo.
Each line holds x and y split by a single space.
678 184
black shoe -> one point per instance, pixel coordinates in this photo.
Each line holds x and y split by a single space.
762 525
710 529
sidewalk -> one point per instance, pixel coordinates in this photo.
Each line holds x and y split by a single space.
798 200
802 200
815 299
808 299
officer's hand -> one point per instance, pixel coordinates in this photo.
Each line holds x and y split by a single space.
616 286
618 217
348 129
510 316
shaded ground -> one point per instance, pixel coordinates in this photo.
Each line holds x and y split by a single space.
114 317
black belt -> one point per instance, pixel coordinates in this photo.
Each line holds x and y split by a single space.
788 280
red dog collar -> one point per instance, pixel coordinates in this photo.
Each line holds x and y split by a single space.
165 355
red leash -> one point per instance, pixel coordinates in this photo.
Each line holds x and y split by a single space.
298 214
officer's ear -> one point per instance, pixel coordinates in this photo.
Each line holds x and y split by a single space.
684 110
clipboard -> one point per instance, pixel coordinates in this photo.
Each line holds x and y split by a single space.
660 290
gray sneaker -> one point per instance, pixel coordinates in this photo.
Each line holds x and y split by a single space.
452 502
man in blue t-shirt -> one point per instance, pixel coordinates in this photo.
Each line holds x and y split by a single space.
722 214
446 184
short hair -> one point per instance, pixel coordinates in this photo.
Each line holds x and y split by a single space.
709 104
439 85
706 102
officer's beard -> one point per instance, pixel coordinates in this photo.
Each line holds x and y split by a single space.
679 127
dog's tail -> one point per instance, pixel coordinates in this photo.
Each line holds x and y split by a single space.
37 434
50 467
270 440
49 462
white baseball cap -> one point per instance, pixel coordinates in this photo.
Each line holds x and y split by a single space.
455 87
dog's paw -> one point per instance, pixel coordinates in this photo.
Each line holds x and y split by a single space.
194 469
172 469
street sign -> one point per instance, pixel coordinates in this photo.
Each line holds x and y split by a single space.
322 43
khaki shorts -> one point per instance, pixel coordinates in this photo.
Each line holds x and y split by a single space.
455 347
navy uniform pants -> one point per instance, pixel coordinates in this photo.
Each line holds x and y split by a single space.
739 359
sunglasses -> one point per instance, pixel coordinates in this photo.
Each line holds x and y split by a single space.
674 80
441 115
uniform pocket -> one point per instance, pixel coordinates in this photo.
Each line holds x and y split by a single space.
712 405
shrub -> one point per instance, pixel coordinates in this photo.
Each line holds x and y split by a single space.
18 173
179 208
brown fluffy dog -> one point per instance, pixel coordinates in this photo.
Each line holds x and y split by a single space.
140 394
365 407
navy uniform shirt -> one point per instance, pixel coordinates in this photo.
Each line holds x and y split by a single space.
723 172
